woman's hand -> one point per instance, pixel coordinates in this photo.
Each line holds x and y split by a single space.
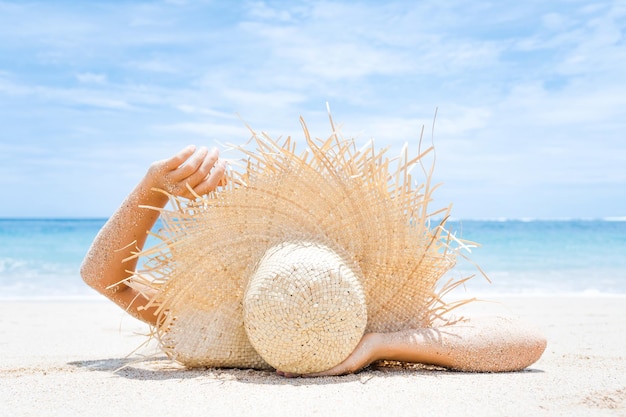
365 353
198 170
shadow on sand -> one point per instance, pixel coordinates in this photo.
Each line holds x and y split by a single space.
162 368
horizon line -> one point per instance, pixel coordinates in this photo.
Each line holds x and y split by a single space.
451 219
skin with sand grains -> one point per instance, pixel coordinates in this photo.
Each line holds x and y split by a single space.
494 344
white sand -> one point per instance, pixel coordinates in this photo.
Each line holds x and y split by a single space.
59 358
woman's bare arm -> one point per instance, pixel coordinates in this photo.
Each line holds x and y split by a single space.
126 230
488 344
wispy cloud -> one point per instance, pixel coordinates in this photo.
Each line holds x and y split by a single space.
89 78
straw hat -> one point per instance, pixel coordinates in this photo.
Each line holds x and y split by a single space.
297 256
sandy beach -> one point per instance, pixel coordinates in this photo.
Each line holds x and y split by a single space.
64 358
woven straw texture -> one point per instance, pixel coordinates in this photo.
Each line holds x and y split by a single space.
304 309
357 203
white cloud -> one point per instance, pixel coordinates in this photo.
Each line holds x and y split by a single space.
215 131
260 10
186 108
263 99
73 96
91 78
153 65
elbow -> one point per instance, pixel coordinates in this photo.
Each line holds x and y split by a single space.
89 275
95 274
86 274
526 344
525 353
533 344
538 347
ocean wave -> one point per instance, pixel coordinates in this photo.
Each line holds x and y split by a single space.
52 298
614 219
530 293
536 219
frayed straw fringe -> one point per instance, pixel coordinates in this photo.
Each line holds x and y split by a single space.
332 193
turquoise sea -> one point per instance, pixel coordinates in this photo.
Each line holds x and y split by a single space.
40 258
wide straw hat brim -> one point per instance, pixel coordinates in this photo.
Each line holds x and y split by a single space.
347 200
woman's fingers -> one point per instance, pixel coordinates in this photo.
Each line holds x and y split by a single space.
214 179
190 166
287 374
348 366
340 369
362 356
204 170
177 160
198 169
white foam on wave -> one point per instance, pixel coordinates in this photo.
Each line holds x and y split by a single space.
537 219
52 298
537 293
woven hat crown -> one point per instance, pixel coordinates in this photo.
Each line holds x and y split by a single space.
304 308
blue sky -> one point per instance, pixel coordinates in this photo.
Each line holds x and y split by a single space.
531 96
